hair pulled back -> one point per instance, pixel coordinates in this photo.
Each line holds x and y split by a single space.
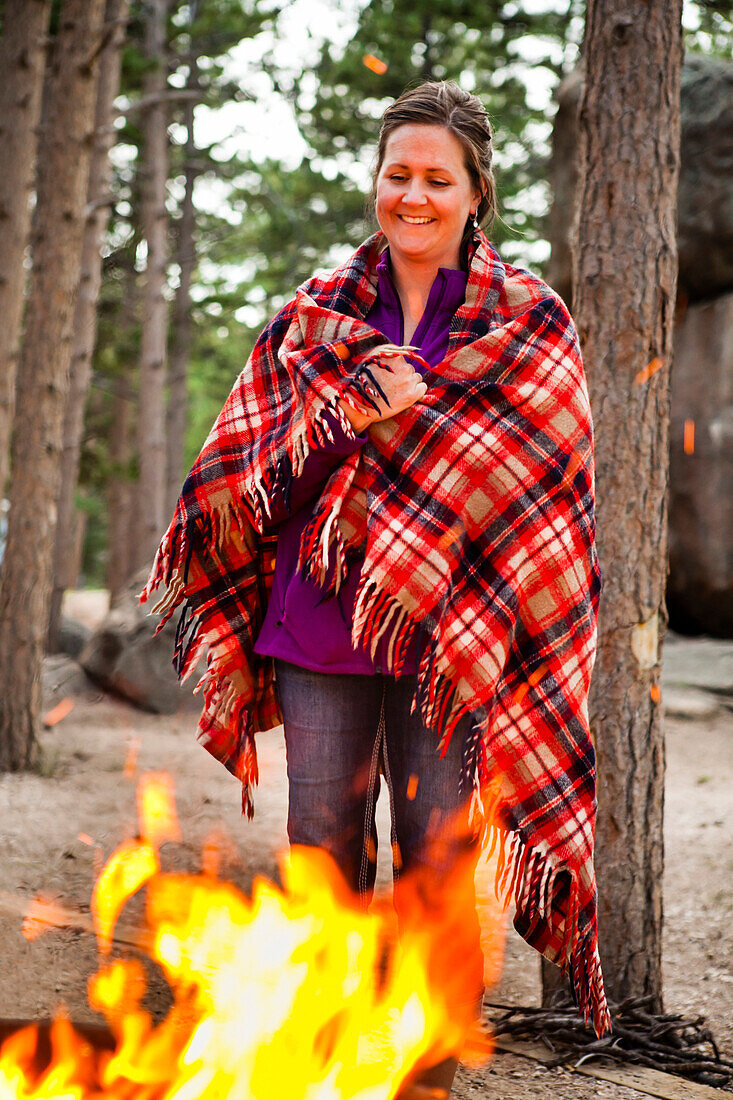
444 103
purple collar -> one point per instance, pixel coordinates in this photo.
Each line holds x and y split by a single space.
446 294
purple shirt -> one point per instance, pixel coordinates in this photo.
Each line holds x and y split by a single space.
297 628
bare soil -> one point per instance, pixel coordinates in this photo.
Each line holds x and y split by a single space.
80 789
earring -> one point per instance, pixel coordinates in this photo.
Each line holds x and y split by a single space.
473 215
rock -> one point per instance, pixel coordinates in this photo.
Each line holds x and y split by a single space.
702 663
704 208
62 676
73 636
700 585
123 656
689 703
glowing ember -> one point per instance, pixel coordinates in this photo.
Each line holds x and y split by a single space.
131 761
296 992
375 64
651 368
689 437
58 713
656 693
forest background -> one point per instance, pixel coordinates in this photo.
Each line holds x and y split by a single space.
269 116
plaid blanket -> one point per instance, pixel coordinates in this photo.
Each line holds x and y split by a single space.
472 513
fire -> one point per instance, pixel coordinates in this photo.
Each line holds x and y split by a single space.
294 992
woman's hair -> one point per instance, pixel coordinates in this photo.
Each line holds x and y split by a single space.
444 103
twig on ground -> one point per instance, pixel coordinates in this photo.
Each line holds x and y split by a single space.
667 1042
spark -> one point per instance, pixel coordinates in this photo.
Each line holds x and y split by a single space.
689 437
55 715
651 368
131 761
375 64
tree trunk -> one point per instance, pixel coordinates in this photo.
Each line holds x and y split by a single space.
624 274
119 497
150 503
121 485
181 334
85 314
22 61
25 579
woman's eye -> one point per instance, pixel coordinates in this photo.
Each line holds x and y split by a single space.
397 179
439 183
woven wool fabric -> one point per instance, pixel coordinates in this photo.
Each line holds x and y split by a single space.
473 514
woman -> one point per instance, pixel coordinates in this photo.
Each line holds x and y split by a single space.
394 510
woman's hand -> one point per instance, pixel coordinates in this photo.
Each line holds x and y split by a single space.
402 386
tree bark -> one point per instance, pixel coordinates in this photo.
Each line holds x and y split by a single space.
119 498
25 579
121 486
22 62
85 314
150 502
181 330
624 274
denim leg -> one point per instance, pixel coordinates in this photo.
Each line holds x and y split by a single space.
431 832
332 726
423 785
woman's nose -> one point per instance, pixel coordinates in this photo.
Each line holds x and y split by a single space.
415 193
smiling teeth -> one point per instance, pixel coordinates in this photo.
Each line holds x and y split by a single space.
415 221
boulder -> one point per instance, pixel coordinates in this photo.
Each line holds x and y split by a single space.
61 676
705 197
123 656
73 636
700 584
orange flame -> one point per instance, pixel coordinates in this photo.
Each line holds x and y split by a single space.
130 867
294 992
156 809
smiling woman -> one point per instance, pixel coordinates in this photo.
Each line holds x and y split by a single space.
389 548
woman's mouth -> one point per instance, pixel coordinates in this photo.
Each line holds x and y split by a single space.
408 220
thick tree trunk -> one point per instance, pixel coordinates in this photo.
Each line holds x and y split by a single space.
150 503
22 61
181 329
624 274
25 579
85 314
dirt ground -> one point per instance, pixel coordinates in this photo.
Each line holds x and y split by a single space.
80 788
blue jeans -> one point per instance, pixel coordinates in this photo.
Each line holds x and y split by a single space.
341 731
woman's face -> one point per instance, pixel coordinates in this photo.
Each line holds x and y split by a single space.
424 195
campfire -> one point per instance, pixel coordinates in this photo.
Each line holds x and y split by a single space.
292 992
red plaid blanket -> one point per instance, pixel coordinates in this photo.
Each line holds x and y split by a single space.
473 514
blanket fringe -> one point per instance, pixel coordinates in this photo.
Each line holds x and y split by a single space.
527 877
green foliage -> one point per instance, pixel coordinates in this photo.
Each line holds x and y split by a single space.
275 226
